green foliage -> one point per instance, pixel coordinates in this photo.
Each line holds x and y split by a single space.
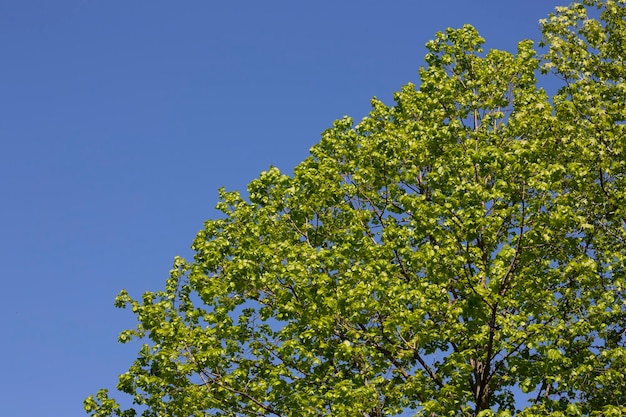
442 256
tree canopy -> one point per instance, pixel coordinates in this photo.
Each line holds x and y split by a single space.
460 253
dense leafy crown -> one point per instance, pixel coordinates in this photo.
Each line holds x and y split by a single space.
461 253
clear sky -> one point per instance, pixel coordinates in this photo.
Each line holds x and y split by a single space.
120 119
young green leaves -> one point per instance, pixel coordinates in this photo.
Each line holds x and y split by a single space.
440 257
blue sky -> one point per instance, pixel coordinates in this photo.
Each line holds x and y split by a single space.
119 120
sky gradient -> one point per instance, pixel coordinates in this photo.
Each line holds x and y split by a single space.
119 120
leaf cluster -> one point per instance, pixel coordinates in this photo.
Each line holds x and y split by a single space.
440 256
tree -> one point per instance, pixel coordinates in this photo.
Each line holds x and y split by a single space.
460 253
